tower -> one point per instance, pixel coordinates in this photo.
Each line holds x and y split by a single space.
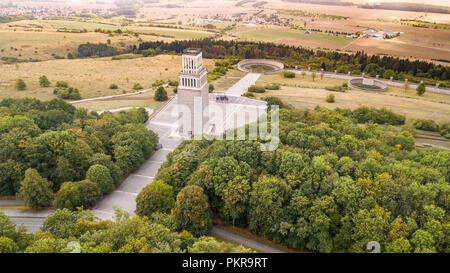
193 91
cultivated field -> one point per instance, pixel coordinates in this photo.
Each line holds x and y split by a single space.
91 76
308 94
398 48
291 37
41 40
25 41
415 42
149 30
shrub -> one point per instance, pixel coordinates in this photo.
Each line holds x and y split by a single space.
444 129
67 93
211 88
155 197
425 124
273 86
274 101
173 83
288 74
339 88
137 86
20 85
421 89
44 82
256 89
62 84
248 94
160 94
365 114
158 83
220 70
330 98
113 86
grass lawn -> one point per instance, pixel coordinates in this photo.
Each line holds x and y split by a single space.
91 76
307 82
223 83
142 100
305 93
299 81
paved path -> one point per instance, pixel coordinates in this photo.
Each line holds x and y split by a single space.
236 238
31 219
243 84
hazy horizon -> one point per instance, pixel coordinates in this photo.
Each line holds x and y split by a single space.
430 2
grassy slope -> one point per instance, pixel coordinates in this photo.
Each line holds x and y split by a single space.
91 76
308 94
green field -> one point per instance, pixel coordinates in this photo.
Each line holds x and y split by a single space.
92 26
143 100
274 34
174 33
79 25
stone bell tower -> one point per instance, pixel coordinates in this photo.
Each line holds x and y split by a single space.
193 92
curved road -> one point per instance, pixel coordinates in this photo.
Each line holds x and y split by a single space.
236 238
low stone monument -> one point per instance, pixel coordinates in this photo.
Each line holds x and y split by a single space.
367 81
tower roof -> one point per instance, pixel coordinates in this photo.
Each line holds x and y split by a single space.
192 51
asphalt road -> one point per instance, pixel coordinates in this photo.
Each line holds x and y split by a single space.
236 238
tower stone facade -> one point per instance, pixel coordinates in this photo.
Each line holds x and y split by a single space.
193 92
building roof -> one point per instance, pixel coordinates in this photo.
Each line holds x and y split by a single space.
192 51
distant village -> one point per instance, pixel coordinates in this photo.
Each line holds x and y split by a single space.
273 19
41 12
379 34
246 18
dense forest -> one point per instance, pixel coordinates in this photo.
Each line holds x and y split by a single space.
291 56
338 180
63 228
49 147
